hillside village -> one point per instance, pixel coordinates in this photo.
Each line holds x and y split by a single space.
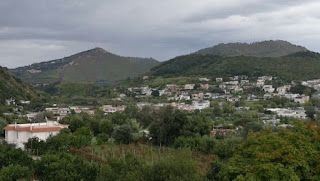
197 96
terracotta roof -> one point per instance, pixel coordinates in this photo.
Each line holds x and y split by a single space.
33 130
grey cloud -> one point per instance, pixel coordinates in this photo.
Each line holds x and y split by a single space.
41 30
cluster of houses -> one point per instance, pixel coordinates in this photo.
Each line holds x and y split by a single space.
298 112
315 84
230 90
195 105
12 101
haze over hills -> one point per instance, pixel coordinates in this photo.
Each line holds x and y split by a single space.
95 65
271 48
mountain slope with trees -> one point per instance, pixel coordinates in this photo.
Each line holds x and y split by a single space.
272 48
297 66
95 65
11 87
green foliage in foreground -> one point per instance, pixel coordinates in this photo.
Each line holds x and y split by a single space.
286 155
289 154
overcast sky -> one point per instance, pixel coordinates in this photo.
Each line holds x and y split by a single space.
40 30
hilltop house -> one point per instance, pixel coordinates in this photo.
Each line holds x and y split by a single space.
19 134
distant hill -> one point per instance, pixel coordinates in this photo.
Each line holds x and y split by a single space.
276 48
95 65
11 87
297 66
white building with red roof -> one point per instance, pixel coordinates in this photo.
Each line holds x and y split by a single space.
19 134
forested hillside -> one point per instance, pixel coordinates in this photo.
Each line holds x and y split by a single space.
270 48
96 65
11 87
298 66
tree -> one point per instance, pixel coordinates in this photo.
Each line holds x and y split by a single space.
310 112
146 116
39 118
132 111
155 93
119 118
123 134
35 145
65 166
129 168
177 167
9 155
106 126
81 137
168 125
3 123
15 172
217 110
286 155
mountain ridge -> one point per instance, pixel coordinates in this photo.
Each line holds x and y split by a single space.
91 65
268 48
297 66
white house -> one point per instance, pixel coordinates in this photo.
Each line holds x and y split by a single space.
19 134
111 109
184 97
219 79
298 113
200 104
25 102
260 83
301 99
189 86
204 79
11 101
268 88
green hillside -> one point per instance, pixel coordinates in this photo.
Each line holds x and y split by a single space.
96 65
298 66
270 48
11 87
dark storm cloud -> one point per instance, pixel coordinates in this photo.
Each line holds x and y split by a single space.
39 30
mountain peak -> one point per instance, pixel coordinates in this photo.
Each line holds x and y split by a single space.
269 48
99 49
98 64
